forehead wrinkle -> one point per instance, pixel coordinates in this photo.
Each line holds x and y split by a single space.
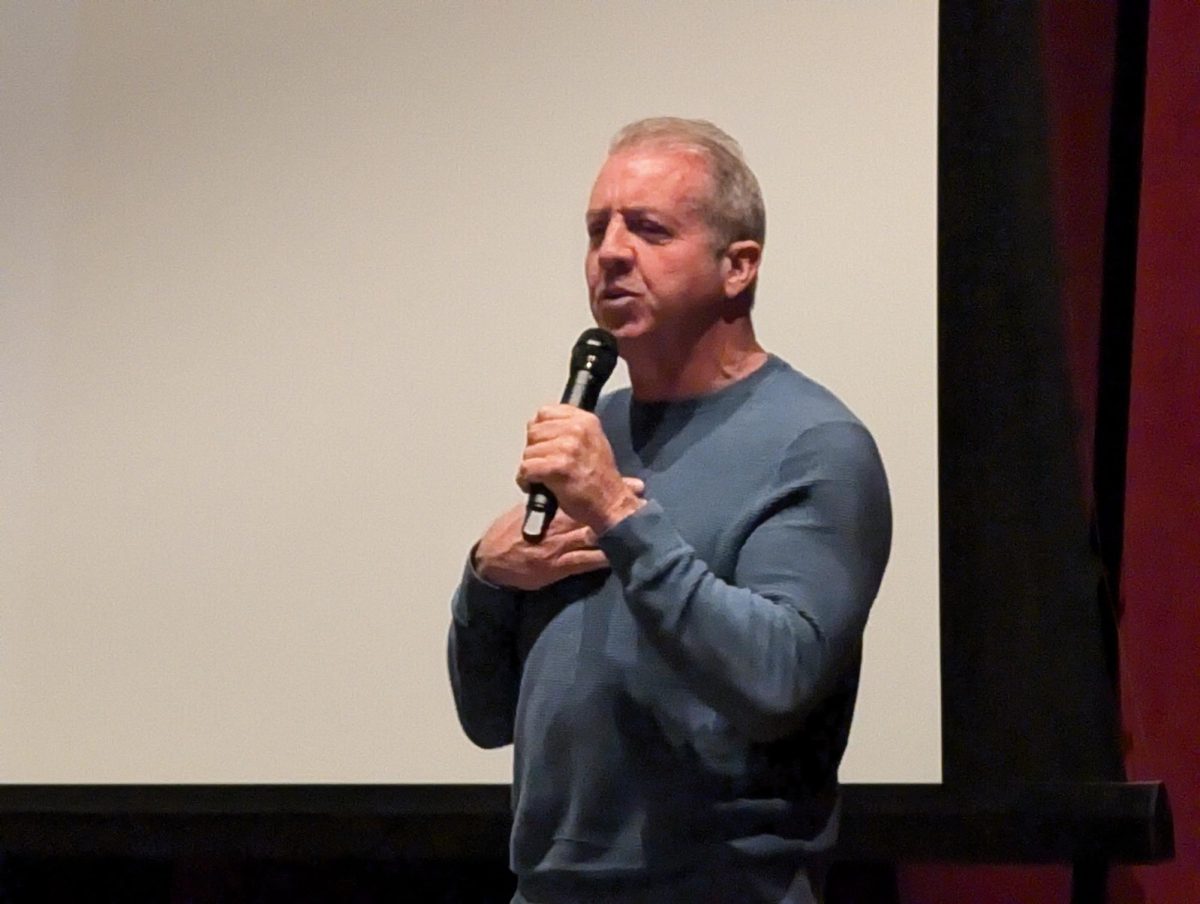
658 166
628 210
678 182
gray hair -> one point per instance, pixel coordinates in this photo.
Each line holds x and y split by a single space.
734 210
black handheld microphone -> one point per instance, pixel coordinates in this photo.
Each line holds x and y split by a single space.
592 361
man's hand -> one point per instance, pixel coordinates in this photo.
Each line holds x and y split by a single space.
506 558
567 452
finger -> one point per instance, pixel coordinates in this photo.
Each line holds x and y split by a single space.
546 467
570 433
567 442
575 535
537 462
565 529
580 561
542 434
528 475
524 481
557 412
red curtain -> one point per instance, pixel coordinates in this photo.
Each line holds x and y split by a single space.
1160 625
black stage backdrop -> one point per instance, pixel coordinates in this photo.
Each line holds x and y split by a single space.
1028 684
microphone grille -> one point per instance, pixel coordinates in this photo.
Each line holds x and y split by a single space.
595 351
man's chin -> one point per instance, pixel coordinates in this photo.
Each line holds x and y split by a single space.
627 331
615 314
619 321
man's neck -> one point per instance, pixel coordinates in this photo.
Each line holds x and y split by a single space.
687 368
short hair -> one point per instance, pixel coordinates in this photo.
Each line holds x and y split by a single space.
734 210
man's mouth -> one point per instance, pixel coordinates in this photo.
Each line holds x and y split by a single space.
613 293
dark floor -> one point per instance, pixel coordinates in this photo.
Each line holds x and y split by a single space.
76 880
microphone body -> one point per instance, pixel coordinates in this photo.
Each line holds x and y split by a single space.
592 361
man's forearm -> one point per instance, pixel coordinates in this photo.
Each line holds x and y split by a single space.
482 657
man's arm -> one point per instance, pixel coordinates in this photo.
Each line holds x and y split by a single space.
764 648
485 671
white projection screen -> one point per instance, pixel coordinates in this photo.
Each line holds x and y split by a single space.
281 284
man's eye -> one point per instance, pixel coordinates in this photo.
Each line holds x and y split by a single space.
651 229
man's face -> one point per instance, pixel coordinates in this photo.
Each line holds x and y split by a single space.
650 265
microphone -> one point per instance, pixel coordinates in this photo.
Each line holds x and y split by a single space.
592 361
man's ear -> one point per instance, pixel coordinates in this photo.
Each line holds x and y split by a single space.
739 266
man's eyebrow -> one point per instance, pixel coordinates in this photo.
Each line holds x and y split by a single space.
625 212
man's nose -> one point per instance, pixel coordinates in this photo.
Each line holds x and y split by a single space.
616 248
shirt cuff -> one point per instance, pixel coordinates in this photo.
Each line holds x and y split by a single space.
479 600
637 545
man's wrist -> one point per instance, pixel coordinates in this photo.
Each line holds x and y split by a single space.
618 512
479 570
476 566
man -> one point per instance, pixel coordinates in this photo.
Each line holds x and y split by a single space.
676 662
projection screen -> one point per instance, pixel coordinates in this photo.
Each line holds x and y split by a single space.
281 284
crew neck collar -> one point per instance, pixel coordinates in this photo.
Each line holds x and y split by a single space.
734 390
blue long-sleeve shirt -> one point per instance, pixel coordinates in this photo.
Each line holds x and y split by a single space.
679 718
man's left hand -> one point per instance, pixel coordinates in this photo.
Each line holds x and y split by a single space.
567 452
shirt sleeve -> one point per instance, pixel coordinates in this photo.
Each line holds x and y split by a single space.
485 674
764 648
